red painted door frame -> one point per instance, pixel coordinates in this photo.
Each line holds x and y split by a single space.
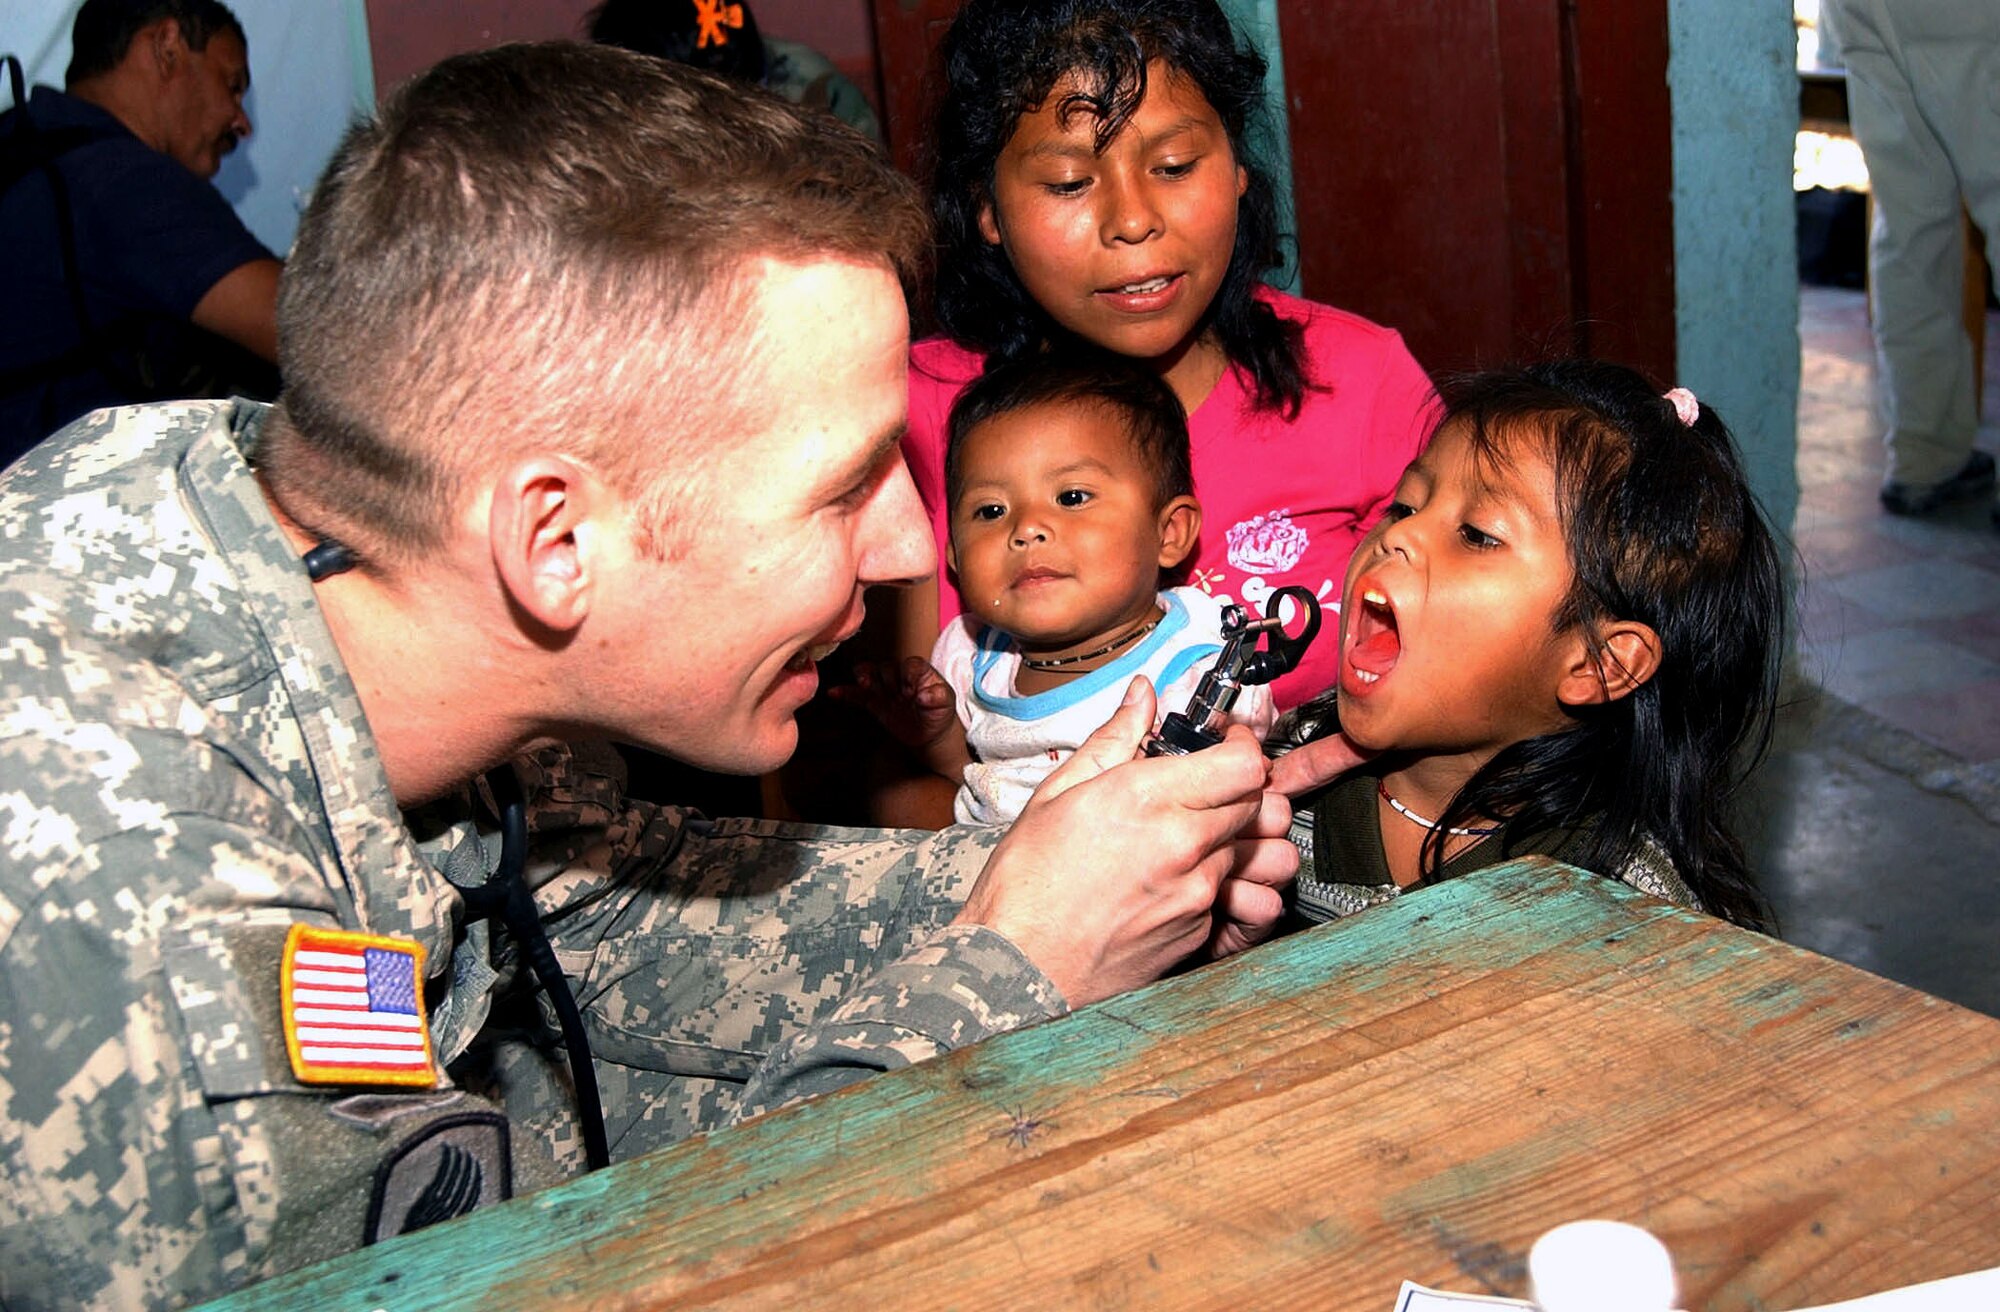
907 33
1495 180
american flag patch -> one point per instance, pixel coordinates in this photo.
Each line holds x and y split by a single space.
354 1008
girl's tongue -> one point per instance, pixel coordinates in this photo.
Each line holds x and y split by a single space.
1376 644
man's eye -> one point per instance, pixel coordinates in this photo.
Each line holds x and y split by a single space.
1477 538
1072 497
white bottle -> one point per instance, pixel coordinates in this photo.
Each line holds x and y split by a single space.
1601 1266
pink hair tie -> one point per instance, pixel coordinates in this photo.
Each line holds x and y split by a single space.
1684 405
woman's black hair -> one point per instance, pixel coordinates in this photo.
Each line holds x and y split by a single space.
1661 528
1002 59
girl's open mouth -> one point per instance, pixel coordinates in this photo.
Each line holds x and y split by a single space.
1374 644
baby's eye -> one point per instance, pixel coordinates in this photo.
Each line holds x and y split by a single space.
1071 497
1398 510
988 512
1477 538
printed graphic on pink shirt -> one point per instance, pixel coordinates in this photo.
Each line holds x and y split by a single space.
1269 543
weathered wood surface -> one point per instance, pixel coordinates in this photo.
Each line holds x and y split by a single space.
1418 1092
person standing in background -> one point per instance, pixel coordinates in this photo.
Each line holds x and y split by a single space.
1923 90
129 277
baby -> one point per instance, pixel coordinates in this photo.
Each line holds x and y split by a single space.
1071 503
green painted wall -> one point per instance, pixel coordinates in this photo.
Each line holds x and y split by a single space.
1271 139
1735 104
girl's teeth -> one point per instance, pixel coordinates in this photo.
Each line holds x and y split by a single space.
1140 288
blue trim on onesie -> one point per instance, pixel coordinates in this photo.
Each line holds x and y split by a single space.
1185 661
994 644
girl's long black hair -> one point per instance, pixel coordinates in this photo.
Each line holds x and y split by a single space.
1661 528
1002 59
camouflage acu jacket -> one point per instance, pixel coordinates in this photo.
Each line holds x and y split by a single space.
804 76
186 775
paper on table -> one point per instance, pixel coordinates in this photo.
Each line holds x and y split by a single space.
1976 1291
1413 1297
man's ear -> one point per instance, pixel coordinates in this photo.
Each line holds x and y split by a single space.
989 222
162 40
1628 654
542 537
1180 530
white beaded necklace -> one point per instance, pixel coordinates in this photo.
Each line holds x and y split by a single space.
1414 818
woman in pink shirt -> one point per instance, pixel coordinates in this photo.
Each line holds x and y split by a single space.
1092 186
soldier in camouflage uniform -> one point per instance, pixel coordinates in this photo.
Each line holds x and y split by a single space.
804 76
254 661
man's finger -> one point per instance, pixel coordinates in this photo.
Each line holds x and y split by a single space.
1232 773
1245 915
1228 779
1313 764
1115 742
1272 862
1274 817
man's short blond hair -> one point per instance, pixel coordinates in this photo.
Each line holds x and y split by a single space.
541 247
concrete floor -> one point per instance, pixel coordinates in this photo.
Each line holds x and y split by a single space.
1875 823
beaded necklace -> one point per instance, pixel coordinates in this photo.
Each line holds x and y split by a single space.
1414 818
1056 663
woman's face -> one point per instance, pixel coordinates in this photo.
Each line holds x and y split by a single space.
1127 248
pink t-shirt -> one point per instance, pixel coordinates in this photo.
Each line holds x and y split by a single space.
1282 503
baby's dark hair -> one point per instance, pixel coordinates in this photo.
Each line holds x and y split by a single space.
1662 529
1150 411
1002 58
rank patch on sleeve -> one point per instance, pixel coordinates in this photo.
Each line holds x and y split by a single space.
354 1008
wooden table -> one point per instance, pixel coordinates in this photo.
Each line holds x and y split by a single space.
1418 1092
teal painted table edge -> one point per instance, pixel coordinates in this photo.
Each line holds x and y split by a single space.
510 1246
